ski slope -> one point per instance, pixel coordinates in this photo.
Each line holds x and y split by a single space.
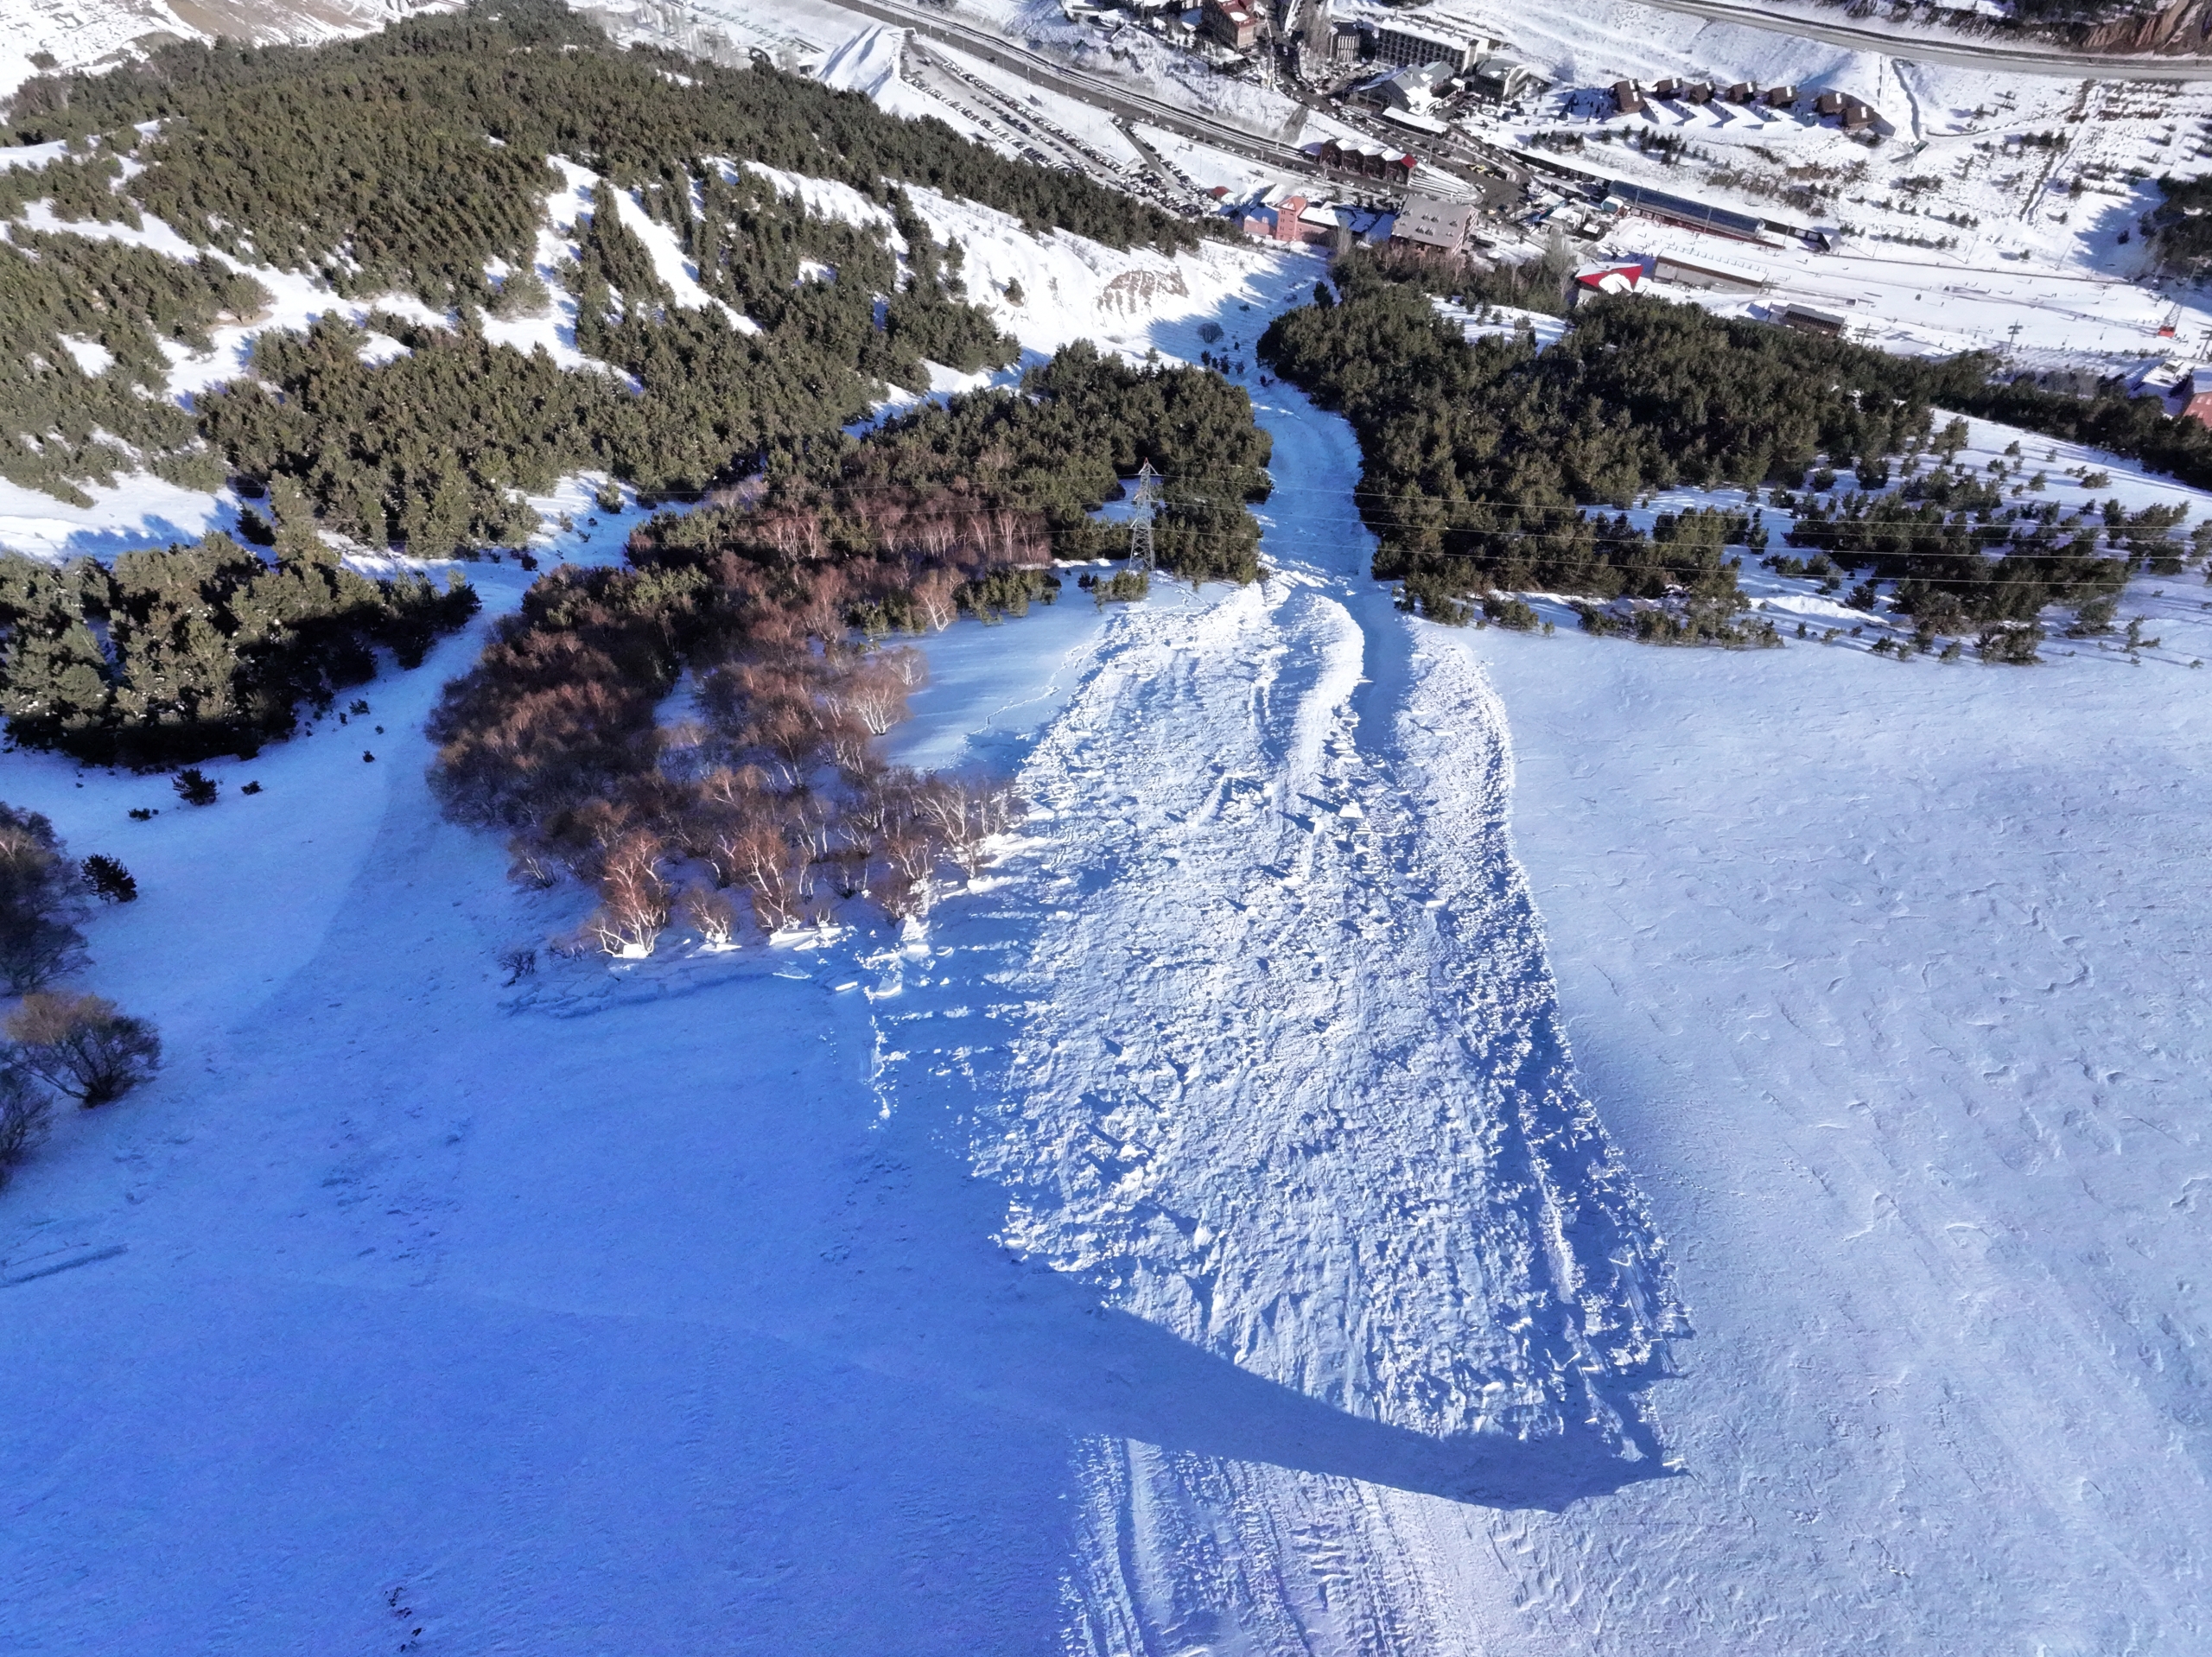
1429 1142
1887 985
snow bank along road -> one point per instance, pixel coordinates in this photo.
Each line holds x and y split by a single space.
1200 1242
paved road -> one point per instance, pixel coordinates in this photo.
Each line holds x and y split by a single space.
1918 48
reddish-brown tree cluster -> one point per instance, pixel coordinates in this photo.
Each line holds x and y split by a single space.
770 802
883 558
691 850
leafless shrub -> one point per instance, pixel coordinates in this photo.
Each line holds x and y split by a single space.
848 743
531 864
574 946
848 868
710 913
633 909
745 786
876 692
904 664
687 749
83 1046
880 803
901 887
933 598
965 815
811 824
772 872
25 1112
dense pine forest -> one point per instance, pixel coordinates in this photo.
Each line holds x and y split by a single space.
62 427
1486 465
418 162
165 657
263 148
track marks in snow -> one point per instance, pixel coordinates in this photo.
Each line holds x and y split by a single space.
1260 1042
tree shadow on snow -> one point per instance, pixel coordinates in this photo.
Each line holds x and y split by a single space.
153 533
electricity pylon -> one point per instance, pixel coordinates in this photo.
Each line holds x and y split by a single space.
1142 503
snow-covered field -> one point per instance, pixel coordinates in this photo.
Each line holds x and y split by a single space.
90 34
1431 1142
1259 1218
1885 984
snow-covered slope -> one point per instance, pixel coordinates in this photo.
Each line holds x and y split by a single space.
1047 290
333 1320
1204 1079
1221 1232
75 34
1889 983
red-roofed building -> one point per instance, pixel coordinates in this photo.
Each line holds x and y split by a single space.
1236 26
2199 406
1296 220
1610 279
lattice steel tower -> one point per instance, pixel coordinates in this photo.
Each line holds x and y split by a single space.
1142 503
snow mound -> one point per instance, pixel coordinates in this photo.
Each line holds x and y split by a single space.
867 63
1382 1192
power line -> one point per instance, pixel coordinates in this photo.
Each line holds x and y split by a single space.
1678 574
1565 510
1592 516
1146 498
